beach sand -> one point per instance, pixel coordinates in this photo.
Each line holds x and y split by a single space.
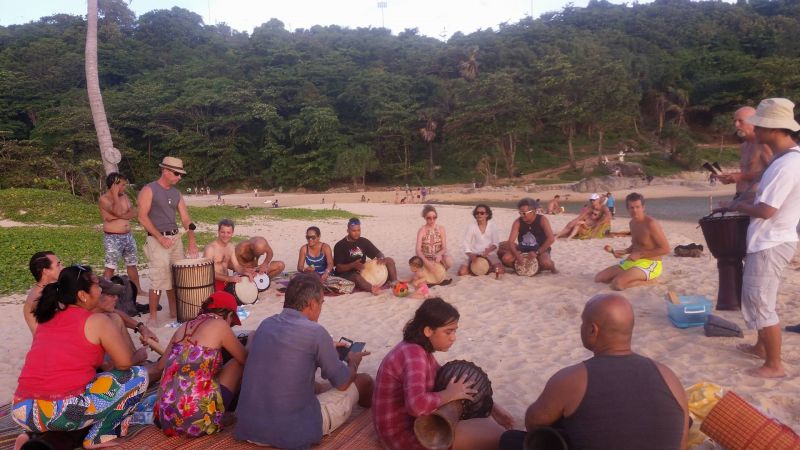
519 330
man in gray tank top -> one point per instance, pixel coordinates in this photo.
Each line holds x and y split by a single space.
617 399
158 202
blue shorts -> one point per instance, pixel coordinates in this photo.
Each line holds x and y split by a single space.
120 246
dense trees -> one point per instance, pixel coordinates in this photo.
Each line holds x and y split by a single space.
329 104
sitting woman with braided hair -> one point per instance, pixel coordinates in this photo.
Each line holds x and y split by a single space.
59 388
405 380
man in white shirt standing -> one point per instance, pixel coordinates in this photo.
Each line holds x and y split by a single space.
772 235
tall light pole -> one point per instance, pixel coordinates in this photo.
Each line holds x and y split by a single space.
382 6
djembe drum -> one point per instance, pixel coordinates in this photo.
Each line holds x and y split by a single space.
436 431
726 237
193 280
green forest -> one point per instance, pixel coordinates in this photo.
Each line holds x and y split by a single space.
326 106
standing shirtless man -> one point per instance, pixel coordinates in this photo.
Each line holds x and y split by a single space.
648 245
221 251
754 159
116 211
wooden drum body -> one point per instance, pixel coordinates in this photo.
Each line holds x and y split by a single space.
726 237
193 280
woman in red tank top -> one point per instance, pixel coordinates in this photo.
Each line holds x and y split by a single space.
59 388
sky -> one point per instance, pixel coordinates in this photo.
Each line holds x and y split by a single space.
434 18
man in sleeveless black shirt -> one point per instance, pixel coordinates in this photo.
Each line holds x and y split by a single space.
617 399
531 234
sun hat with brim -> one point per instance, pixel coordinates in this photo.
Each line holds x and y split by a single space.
110 288
594 196
775 113
224 300
172 163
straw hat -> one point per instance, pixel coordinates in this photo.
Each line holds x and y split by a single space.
375 274
172 163
775 113
480 266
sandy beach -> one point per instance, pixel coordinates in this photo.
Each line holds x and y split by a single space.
519 330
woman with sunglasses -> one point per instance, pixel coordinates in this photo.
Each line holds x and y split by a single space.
432 239
316 256
59 388
481 240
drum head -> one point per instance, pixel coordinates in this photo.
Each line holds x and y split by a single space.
374 273
437 275
480 266
526 266
262 282
192 262
246 291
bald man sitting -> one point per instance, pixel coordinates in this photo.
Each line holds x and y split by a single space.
614 400
248 254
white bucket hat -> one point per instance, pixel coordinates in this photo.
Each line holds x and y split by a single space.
775 113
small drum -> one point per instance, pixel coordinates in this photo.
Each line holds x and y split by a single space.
437 275
480 266
374 273
262 282
245 291
726 237
193 280
526 266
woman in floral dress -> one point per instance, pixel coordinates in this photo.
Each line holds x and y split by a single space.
196 388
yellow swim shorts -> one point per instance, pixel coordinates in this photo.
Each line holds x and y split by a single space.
651 268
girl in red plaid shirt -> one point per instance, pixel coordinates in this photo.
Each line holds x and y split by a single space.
404 385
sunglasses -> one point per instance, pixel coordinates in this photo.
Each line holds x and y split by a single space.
524 213
81 269
311 237
430 217
480 213
177 174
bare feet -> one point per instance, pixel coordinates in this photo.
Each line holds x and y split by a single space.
752 350
766 372
376 290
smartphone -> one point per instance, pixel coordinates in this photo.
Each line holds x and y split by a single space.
358 347
343 350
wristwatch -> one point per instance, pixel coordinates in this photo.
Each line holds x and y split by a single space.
136 329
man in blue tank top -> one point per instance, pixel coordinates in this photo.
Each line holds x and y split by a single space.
616 399
158 202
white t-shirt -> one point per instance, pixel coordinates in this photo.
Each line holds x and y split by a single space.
780 189
476 242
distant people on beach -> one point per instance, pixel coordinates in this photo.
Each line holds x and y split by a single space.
275 204
772 233
280 404
116 212
159 202
315 256
481 240
197 387
432 239
45 267
404 385
755 156
352 251
554 205
531 236
648 246
616 399
254 256
611 203
59 387
593 222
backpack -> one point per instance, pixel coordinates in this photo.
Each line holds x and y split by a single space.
127 301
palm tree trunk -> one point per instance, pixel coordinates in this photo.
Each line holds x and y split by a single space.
570 137
93 91
431 174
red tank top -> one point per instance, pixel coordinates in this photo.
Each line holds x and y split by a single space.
61 361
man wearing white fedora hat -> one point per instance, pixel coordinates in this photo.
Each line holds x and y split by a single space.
772 235
158 201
